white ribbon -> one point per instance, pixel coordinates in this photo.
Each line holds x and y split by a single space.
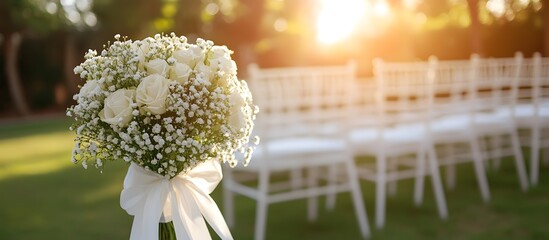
184 199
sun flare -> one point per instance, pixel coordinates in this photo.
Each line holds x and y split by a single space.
337 19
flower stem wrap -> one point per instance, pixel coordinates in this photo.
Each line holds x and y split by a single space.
184 199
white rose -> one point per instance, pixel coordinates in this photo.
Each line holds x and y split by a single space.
223 64
220 52
205 70
190 56
141 48
152 92
237 119
157 66
90 88
180 72
117 109
229 67
223 81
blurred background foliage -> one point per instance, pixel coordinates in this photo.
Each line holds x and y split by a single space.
41 41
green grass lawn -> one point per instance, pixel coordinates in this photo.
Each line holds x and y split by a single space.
44 196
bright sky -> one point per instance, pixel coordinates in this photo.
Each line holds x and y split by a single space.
338 20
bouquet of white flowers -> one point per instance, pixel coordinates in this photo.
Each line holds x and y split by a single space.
174 110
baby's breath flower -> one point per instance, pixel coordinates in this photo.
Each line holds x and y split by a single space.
200 111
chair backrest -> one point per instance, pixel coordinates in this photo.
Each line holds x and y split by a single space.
540 82
363 105
404 91
452 88
301 101
469 87
496 81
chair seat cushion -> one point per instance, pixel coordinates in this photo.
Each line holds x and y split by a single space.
462 126
450 124
302 145
525 114
398 134
394 141
298 152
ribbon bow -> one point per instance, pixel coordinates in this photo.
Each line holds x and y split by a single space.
184 199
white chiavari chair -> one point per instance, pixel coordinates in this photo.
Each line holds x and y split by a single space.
470 116
400 128
531 109
452 128
494 82
302 131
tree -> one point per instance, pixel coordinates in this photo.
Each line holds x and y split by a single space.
11 43
487 17
475 36
545 14
132 18
27 18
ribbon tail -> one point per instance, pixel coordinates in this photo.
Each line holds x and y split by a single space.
152 215
145 222
137 228
212 214
146 203
188 222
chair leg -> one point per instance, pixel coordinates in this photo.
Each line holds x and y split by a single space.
228 202
332 181
312 201
420 178
479 169
451 176
358 202
496 151
519 161
545 157
228 197
534 156
450 167
296 178
392 185
261 218
437 183
485 152
381 183
262 204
